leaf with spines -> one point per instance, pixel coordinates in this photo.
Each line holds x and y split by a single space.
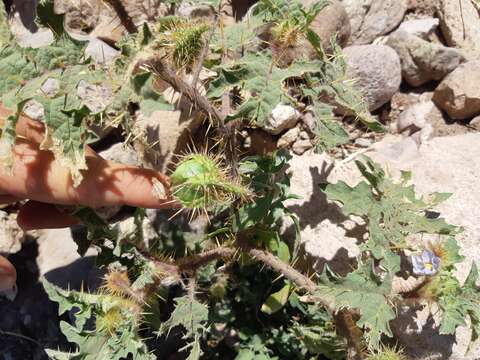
192 316
391 209
362 290
260 83
113 340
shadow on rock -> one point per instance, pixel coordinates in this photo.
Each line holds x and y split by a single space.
316 209
419 337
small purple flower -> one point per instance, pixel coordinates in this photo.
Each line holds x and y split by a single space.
426 264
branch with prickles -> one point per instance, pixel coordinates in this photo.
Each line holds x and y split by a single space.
123 15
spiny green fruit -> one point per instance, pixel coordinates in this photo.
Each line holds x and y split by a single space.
183 40
388 354
200 182
109 321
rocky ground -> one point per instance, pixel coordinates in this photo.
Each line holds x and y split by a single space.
418 64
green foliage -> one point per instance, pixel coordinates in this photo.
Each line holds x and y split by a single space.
115 339
261 83
391 209
192 316
5 35
363 290
238 308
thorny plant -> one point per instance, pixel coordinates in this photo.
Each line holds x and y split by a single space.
239 290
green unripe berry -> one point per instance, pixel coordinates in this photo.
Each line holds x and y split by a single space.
199 182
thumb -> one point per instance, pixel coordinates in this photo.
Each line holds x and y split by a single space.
8 275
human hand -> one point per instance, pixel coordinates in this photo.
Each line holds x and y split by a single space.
36 176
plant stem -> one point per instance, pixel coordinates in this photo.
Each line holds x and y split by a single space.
123 15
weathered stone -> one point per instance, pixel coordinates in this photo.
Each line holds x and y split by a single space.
332 21
34 110
421 60
195 11
288 138
422 28
283 117
108 30
356 10
362 142
475 123
459 94
121 153
460 24
413 118
301 146
164 134
11 236
382 17
377 71
100 52
50 87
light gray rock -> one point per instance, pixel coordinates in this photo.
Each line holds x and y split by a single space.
422 28
283 117
301 146
415 117
323 234
459 94
11 236
195 11
460 25
164 134
34 110
50 87
377 71
288 138
100 52
364 143
382 17
332 21
59 261
475 123
356 10
121 153
421 60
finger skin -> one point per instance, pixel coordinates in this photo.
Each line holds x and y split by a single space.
38 176
51 218
8 274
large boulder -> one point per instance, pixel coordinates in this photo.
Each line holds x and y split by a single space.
374 18
377 71
459 93
356 10
460 24
420 27
332 21
421 60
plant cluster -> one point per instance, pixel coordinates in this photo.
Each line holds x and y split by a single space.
235 291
